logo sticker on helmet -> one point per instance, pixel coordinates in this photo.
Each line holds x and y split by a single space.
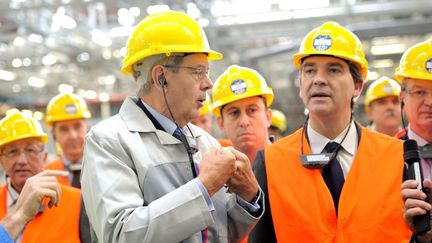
387 89
429 65
238 86
322 42
71 109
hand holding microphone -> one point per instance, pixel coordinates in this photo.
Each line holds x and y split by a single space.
419 220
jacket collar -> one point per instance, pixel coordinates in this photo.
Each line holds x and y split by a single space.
137 121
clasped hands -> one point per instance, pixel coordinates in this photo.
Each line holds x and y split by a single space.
228 166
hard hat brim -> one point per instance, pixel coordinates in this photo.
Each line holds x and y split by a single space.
127 67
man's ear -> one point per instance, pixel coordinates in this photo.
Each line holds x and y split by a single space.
402 98
300 93
269 115
220 122
1 162
44 156
156 73
368 112
358 87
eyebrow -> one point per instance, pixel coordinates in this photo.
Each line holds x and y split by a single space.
309 64
335 64
247 106
252 105
26 145
417 86
331 64
232 108
196 65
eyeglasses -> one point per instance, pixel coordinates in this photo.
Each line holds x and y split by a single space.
31 152
198 72
419 93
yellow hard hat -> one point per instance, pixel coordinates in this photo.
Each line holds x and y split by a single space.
279 120
166 33
238 83
416 62
381 88
206 109
66 106
15 126
331 39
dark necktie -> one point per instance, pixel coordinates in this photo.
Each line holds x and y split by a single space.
75 169
178 134
333 175
76 179
426 151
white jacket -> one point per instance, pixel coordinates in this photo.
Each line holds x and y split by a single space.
137 185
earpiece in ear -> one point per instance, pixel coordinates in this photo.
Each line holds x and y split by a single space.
162 80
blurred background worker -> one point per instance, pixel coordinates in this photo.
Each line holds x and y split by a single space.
205 118
23 155
278 125
241 99
325 180
382 106
148 169
415 74
66 115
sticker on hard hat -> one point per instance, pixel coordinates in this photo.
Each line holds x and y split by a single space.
387 89
71 109
429 65
238 86
322 42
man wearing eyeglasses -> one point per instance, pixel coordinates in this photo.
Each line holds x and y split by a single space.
415 73
149 175
22 155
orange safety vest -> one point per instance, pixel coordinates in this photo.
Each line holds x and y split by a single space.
58 164
245 240
57 224
225 142
370 206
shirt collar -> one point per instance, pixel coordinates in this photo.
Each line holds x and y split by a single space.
67 163
168 125
318 141
412 135
12 195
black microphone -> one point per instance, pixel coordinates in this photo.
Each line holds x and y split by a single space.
412 159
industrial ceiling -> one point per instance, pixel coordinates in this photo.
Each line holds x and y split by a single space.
52 45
